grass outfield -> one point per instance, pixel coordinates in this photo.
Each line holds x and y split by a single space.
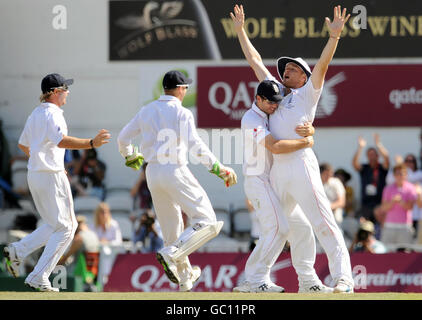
11 295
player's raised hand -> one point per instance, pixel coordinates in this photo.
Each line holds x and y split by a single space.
339 20
101 138
361 142
238 17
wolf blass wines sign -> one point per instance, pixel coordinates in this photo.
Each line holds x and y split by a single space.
202 29
161 30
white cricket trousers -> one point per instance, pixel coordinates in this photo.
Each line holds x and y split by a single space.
296 179
53 200
275 228
173 189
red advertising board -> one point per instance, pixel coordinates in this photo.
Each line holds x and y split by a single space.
392 272
353 95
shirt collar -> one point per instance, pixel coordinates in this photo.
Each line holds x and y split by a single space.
168 98
259 111
51 105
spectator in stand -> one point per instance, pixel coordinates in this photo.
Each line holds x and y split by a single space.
418 204
414 175
140 191
372 176
84 250
420 152
254 225
334 190
397 202
365 240
91 174
106 228
149 233
350 207
72 159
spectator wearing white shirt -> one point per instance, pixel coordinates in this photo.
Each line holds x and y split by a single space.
334 190
106 228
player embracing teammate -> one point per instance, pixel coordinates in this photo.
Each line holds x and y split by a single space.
295 176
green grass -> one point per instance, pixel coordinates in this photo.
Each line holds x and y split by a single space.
10 295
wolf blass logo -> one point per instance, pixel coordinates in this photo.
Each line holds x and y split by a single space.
156 23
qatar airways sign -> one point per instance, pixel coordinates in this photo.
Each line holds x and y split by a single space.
395 272
352 96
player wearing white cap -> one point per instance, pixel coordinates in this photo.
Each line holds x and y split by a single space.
44 140
275 227
295 176
168 132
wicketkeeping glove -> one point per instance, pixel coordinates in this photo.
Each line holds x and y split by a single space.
135 160
225 173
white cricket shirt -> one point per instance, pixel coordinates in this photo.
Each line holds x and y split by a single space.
43 131
296 108
168 132
257 159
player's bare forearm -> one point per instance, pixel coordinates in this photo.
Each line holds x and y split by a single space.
69 142
320 69
335 28
25 149
251 54
287 146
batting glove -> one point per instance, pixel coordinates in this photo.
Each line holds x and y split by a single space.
225 173
135 160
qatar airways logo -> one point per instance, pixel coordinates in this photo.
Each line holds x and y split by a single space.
405 96
234 101
328 100
222 278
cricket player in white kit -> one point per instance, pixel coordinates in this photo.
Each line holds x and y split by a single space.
275 226
168 132
295 176
44 140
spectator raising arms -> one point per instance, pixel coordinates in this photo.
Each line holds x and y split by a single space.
372 176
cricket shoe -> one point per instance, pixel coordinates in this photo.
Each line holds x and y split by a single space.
315 288
169 266
268 288
343 286
41 287
244 287
12 261
188 284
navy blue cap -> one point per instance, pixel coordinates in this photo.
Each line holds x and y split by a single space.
269 90
175 78
54 80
